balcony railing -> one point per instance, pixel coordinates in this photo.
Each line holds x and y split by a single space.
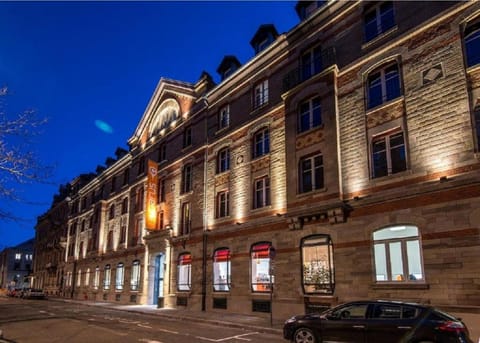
300 74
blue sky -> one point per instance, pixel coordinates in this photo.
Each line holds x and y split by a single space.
78 62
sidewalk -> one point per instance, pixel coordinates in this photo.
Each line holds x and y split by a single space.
227 319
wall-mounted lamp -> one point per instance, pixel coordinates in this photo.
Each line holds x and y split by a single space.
444 178
168 227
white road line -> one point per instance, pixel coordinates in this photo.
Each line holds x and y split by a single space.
239 337
168 331
148 340
144 326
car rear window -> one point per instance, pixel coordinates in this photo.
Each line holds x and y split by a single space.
387 311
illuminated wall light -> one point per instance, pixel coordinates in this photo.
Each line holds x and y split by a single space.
173 123
162 132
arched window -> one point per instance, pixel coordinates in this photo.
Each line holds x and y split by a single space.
472 44
397 254
119 277
317 264
223 160
107 274
261 143
260 256
383 85
135 276
184 272
221 270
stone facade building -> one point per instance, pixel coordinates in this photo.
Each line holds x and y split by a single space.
16 265
339 163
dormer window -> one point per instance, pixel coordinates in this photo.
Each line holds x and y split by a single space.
266 35
228 66
306 8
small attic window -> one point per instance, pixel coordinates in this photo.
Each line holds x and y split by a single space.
306 8
265 35
228 66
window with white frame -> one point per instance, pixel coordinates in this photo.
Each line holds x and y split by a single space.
388 154
317 264
107 274
260 267
309 114
224 117
260 94
223 204
472 44
261 142
383 85
311 62
119 277
223 160
187 137
184 272
378 19
311 175
261 192
96 278
397 253
135 276
221 270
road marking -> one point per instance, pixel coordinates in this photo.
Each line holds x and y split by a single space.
239 337
168 331
148 340
144 326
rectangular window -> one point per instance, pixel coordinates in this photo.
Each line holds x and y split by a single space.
311 173
310 115
187 178
379 19
161 190
388 154
223 206
261 192
224 117
119 277
184 272
261 143
126 177
107 277
260 94
186 220
221 270
223 160
141 166
135 276
317 263
260 265
187 137
311 63
139 199
162 152
397 254
123 234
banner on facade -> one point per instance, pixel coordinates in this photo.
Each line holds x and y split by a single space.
152 196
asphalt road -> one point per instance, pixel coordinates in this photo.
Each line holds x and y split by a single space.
39 321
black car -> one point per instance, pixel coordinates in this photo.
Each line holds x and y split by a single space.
377 322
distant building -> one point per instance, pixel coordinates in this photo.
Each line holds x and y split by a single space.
16 265
341 162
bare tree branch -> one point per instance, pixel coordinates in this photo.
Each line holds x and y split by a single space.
18 163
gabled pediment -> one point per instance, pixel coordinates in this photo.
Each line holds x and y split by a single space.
169 105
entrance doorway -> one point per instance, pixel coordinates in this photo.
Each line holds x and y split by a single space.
158 280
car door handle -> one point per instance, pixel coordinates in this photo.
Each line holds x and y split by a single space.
359 326
404 327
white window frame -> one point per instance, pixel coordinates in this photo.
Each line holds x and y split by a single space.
135 276
260 94
397 255
107 275
184 273
224 117
119 276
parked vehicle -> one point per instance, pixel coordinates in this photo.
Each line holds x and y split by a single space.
377 322
33 293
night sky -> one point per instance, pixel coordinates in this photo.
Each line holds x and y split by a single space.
90 68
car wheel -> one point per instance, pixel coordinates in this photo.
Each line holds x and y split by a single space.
304 335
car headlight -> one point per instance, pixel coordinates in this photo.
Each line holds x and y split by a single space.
291 320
